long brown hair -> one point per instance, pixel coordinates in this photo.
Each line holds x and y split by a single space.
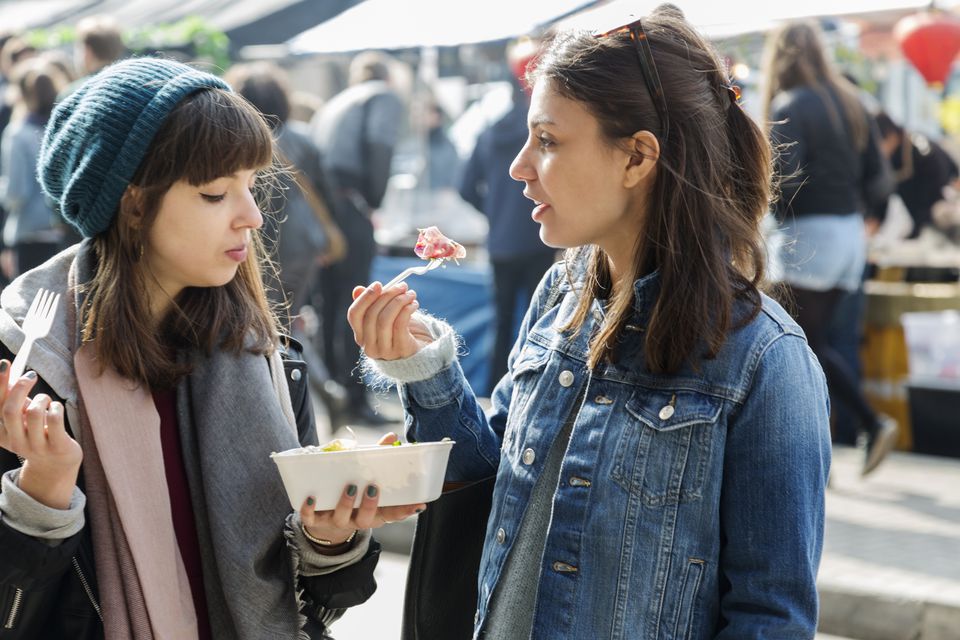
712 187
795 56
211 134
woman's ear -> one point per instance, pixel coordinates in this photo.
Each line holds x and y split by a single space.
643 152
131 206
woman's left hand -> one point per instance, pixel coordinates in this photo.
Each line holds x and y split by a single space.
339 524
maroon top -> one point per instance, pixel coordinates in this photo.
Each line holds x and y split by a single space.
181 507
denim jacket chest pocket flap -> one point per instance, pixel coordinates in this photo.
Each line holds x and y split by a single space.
665 445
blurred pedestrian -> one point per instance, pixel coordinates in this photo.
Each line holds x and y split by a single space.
137 495
518 257
99 43
357 131
32 231
660 442
300 225
921 167
832 171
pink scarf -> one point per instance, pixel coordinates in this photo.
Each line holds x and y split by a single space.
144 590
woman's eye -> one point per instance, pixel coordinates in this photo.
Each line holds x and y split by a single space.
544 141
212 197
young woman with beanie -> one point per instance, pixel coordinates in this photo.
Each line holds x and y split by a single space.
660 441
138 498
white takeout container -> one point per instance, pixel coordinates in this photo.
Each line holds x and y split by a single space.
405 474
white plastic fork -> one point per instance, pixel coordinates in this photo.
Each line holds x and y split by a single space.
36 324
414 271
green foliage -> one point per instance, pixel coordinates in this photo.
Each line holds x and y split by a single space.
192 37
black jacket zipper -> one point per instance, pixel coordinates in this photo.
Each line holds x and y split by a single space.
10 622
86 588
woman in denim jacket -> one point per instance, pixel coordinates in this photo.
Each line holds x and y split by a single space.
660 441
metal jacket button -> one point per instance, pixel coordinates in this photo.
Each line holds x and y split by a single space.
529 456
566 378
295 375
501 535
666 412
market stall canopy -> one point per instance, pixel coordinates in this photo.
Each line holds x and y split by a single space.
244 21
390 25
724 19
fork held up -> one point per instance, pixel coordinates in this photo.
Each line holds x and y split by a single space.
36 324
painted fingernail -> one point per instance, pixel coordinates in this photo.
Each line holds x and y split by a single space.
418 511
372 491
310 501
30 375
352 490
4 365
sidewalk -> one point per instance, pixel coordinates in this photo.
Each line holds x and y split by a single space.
891 562
890 568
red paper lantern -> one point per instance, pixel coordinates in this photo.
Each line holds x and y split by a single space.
930 40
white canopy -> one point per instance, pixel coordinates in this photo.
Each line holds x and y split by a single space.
721 19
394 24
391 24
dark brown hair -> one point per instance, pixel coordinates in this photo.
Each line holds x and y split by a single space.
211 134
795 56
712 187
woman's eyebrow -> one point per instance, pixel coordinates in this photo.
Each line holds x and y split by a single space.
539 122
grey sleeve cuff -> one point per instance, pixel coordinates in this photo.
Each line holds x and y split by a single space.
314 563
426 363
24 514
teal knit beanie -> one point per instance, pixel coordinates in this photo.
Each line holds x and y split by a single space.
98 136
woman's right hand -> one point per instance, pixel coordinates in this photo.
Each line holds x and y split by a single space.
382 322
34 430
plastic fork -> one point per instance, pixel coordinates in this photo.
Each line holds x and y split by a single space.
414 271
36 325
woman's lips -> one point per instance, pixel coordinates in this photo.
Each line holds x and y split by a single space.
539 210
239 253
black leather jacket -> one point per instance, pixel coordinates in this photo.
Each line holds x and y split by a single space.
51 592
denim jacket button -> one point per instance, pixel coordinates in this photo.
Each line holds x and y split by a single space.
295 375
501 535
529 456
666 413
566 378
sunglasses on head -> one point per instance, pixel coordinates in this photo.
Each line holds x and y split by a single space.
648 70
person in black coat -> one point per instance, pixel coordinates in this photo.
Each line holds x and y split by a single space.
922 169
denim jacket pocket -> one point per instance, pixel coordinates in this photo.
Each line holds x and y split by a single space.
526 373
665 445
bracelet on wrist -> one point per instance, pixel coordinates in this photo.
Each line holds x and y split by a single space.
326 543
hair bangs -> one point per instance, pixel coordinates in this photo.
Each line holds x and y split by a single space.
228 135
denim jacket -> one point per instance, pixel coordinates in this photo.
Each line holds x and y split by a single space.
688 506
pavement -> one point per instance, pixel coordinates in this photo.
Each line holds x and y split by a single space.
891 559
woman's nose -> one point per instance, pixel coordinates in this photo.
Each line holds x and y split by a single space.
520 169
250 214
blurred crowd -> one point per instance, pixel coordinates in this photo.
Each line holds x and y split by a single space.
843 162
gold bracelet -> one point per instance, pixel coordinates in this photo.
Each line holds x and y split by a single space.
326 543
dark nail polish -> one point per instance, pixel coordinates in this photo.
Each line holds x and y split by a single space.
31 375
418 511
352 490
310 502
372 491
4 365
